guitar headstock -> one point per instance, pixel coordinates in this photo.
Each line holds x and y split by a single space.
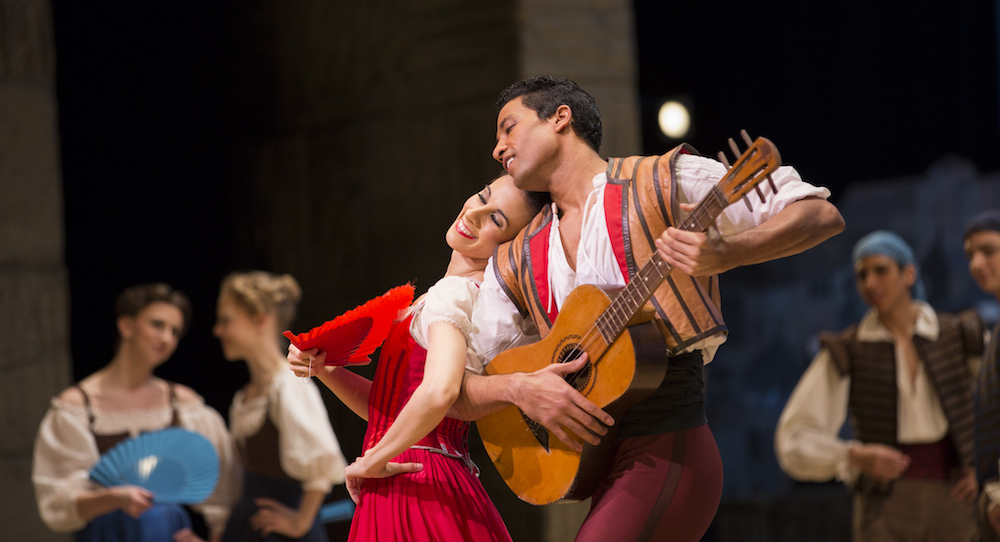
753 166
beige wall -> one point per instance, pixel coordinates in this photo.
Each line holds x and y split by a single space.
34 355
376 121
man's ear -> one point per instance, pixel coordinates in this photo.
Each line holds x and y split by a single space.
910 274
562 119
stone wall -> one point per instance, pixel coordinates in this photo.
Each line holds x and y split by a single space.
378 121
34 355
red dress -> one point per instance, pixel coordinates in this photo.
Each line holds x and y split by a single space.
443 502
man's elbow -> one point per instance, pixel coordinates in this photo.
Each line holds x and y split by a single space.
827 219
835 221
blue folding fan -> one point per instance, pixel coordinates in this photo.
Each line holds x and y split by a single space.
177 465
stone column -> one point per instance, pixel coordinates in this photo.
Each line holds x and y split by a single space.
591 42
34 349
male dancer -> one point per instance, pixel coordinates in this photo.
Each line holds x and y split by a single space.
666 481
905 372
982 247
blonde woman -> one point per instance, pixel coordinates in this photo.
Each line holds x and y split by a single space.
288 449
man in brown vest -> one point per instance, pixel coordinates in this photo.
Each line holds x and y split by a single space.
982 247
608 218
904 372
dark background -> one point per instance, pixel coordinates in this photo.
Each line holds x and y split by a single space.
156 104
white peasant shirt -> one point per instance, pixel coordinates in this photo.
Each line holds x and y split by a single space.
65 451
309 449
498 324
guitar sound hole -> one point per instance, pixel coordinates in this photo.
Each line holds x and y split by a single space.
581 378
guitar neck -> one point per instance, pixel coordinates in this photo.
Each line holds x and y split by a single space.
613 321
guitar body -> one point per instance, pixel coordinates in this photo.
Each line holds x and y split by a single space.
538 467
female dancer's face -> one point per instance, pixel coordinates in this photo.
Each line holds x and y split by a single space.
154 332
490 217
236 329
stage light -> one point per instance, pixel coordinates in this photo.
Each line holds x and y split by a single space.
674 119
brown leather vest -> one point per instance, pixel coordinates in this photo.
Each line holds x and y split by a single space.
874 391
639 204
261 451
106 442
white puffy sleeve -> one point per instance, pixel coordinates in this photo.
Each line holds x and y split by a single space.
497 324
806 440
451 300
202 419
309 449
65 452
698 174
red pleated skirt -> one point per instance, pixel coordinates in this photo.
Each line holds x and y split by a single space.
443 502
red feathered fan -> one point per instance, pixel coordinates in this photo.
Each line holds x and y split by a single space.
351 337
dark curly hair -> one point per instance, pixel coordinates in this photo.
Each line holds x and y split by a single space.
544 94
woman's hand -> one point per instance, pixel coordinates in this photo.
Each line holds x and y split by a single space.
133 500
308 363
274 517
187 535
364 468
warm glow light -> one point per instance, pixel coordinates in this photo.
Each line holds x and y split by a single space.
674 119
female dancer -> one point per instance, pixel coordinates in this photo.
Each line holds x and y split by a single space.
435 494
120 401
290 455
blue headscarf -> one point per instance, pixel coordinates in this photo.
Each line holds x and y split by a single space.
889 244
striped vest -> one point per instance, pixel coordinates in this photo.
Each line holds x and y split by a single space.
874 391
639 204
987 405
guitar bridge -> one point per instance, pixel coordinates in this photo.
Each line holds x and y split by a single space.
537 429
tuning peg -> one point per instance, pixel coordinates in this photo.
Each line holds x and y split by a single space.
724 160
736 150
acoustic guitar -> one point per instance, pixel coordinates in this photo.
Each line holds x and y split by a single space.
627 356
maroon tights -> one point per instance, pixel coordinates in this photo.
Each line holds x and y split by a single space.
661 487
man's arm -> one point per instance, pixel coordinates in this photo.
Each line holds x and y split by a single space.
799 226
543 396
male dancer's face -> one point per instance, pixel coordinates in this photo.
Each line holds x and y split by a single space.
883 283
526 146
983 250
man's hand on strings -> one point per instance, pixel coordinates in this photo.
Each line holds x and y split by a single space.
546 397
699 254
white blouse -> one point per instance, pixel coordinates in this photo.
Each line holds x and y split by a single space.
65 451
499 326
806 440
309 449
450 300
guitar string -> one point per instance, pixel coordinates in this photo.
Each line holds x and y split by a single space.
703 207
655 263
